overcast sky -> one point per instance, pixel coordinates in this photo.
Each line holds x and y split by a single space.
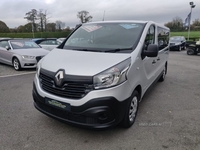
12 12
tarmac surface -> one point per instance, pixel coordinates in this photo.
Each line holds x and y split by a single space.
168 116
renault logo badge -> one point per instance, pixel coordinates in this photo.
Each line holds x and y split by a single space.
59 77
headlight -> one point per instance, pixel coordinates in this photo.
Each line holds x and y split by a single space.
28 57
112 76
177 43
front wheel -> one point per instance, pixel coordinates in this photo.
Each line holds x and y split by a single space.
131 111
16 64
190 52
162 78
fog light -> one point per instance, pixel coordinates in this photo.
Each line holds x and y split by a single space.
103 116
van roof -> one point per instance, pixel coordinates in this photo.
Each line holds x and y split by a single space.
128 21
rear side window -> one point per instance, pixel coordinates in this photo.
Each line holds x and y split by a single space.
163 38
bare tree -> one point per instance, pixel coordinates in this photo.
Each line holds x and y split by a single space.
46 19
41 18
31 16
60 25
84 16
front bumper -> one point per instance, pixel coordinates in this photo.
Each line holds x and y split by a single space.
175 47
98 113
28 63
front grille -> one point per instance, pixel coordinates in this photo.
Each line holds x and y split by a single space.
172 44
70 89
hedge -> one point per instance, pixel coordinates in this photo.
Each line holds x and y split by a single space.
36 35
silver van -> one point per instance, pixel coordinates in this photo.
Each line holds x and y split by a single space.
99 74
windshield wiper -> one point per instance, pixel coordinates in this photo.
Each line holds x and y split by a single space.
118 49
84 49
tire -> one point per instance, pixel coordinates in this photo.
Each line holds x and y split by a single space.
131 112
16 64
190 52
162 78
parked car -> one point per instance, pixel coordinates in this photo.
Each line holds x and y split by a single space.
100 73
49 43
61 39
20 53
177 43
194 49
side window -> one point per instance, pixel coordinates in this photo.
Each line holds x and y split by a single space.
150 37
4 44
49 42
163 38
43 42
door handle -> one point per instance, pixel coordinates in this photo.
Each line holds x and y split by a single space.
158 58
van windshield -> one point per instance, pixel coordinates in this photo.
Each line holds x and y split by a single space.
105 37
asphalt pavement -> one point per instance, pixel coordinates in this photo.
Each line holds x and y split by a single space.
168 116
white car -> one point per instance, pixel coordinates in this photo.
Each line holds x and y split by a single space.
20 53
49 43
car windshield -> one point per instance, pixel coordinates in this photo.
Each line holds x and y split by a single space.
176 39
105 36
23 44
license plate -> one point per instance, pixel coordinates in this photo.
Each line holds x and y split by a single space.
57 104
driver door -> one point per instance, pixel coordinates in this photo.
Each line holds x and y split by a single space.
5 55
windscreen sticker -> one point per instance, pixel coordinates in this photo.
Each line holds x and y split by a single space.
91 28
18 44
129 26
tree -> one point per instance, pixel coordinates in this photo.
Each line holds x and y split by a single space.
196 24
67 29
31 16
51 27
60 25
20 29
84 16
43 20
176 24
41 17
3 27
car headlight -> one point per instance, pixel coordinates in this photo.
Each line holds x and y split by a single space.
28 57
177 43
112 76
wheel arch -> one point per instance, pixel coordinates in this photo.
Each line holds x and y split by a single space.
138 88
15 56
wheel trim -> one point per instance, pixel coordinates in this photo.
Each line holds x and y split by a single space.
16 64
133 109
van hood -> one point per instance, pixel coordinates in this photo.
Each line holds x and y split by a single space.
83 63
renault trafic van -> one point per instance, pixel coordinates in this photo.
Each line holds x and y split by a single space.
99 74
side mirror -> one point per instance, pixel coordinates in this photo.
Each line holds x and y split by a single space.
7 47
152 51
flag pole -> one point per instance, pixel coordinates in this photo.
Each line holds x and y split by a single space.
189 24
192 6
